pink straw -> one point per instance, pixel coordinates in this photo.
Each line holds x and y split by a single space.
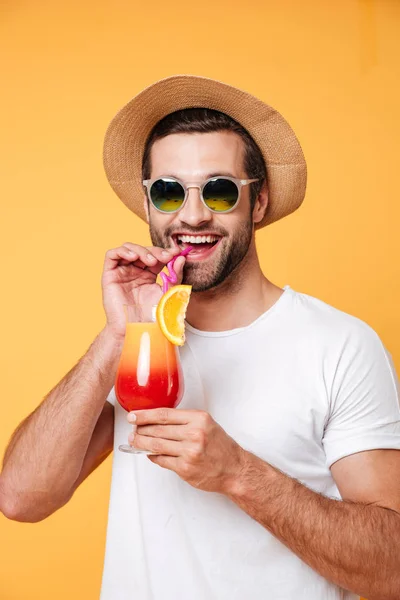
171 278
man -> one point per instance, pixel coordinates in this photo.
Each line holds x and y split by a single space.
278 477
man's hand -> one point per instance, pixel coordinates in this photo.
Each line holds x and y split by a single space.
190 443
129 277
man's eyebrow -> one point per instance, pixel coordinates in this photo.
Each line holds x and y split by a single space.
223 173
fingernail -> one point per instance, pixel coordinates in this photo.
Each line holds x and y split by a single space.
165 253
150 257
131 417
131 437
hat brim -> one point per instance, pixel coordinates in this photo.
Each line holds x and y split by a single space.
128 131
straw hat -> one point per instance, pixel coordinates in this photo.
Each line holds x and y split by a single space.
127 133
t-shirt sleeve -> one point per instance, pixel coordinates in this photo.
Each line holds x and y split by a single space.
364 405
111 396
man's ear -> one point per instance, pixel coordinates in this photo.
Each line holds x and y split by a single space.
261 204
146 207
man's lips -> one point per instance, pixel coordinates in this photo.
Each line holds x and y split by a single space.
200 251
205 234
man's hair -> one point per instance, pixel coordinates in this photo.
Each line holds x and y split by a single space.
205 120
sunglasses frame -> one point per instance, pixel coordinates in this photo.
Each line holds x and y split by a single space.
200 186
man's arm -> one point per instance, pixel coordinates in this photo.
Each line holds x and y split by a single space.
100 445
64 439
354 543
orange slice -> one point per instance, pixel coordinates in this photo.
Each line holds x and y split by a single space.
171 312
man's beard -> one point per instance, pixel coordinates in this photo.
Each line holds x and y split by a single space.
208 274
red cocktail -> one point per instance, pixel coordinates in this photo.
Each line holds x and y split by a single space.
149 373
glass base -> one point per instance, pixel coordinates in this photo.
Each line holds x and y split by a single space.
131 450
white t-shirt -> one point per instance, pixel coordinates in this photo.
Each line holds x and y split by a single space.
301 387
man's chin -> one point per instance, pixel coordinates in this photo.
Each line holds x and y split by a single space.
202 288
198 283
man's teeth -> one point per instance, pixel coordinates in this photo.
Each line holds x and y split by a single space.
197 239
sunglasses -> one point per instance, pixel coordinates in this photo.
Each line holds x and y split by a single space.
219 194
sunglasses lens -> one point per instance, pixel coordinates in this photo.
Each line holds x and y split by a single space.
220 194
167 195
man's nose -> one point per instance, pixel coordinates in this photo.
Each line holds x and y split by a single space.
194 212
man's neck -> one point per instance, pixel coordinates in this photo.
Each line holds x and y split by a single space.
237 302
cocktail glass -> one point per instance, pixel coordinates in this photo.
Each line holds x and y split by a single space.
149 373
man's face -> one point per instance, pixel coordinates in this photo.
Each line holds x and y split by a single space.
194 158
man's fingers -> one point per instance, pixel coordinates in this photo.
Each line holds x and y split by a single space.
116 256
160 254
164 255
162 416
145 257
157 445
168 432
167 462
133 255
151 257
178 268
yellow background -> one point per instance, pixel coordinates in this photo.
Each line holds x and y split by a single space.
331 68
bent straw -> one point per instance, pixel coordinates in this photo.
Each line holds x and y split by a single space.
171 278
